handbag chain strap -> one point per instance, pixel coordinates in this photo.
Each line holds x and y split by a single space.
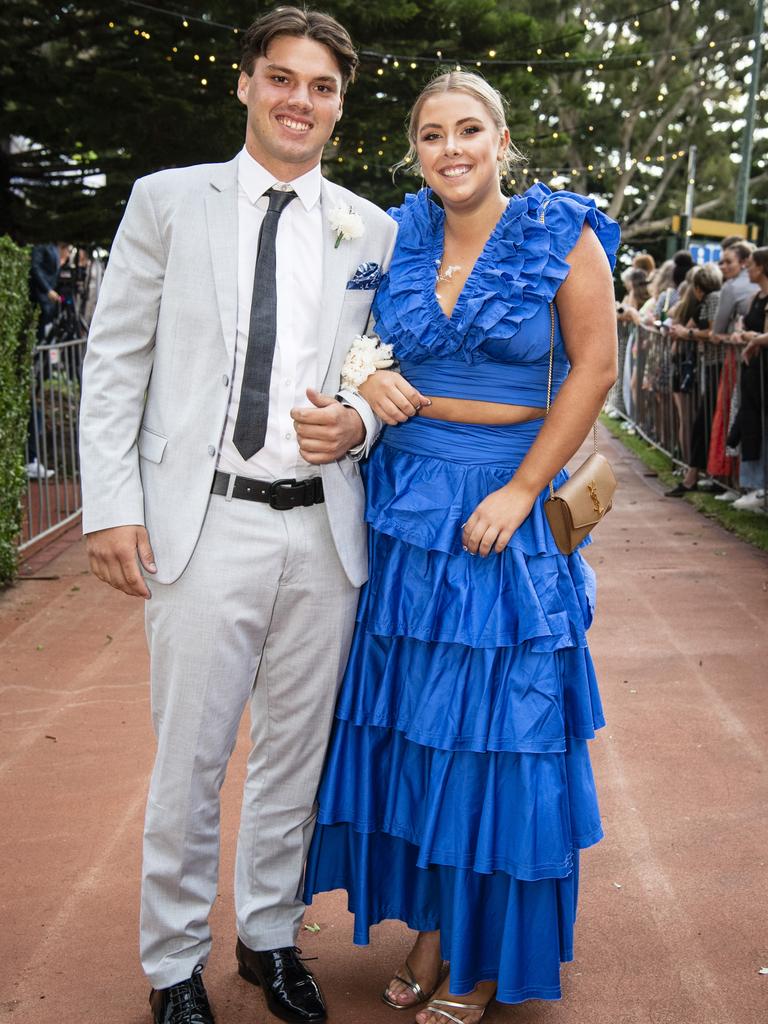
551 368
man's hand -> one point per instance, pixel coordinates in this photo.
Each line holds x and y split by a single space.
327 430
114 555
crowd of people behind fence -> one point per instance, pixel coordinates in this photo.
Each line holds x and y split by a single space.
694 370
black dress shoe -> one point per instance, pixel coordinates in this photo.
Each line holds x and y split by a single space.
291 991
185 1003
680 490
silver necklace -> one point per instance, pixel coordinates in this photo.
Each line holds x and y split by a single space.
447 274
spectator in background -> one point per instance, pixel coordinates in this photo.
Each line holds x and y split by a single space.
749 427
46 261
735 297
628 311
645 262
665 291
90 273
682 262
45 264
682 353
737 290
706 283
652 356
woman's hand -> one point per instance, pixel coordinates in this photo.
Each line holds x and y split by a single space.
391 397
495 519
752 346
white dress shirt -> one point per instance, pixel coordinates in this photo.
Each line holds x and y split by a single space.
299 267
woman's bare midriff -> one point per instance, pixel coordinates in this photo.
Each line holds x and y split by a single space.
463 410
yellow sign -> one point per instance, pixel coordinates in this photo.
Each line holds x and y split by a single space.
703 228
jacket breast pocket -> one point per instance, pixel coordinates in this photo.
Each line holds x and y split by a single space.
151 445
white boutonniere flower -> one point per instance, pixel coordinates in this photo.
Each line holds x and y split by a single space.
346 224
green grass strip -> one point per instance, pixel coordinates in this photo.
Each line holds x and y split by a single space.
749 526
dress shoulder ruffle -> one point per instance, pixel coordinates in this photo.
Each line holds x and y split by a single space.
566 213
519 270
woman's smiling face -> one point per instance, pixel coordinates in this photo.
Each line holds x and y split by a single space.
459 148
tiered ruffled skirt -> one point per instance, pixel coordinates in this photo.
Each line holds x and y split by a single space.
458 788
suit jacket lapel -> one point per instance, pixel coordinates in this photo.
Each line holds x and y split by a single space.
221 214
335 277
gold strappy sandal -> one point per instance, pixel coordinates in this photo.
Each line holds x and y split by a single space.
415 987
433 1006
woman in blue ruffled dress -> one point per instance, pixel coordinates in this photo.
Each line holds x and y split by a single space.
458 790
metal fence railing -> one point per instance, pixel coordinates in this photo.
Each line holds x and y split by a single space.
699 403
53 498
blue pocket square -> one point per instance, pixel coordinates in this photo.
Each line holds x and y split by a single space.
366 277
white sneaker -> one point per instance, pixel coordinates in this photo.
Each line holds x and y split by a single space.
37 471
752 502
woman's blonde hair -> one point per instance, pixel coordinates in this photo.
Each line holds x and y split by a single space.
708 278
473 85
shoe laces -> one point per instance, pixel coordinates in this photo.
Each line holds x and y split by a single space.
188 1000
290 960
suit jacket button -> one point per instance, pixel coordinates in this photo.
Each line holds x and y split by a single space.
225 380
211 450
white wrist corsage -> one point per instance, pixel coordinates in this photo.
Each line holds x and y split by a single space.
346 224
366 356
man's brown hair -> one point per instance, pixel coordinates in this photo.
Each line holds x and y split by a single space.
304 23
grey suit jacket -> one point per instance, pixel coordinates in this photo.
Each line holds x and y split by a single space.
161 353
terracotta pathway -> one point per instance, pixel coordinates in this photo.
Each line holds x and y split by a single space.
673 925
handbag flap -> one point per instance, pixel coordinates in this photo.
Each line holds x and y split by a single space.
589 491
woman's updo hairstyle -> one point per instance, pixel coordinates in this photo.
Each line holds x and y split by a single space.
473 85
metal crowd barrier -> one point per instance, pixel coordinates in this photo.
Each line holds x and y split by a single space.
684 399
53 497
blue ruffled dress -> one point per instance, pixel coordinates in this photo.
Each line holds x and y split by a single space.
458 789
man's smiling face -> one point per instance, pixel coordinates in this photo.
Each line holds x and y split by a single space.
294 101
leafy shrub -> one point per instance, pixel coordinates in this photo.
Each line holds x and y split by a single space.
17 318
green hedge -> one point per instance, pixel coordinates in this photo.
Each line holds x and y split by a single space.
17 318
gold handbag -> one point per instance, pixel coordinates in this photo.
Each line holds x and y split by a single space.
576 507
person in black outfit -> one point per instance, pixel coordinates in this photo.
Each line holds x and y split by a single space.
706 284
749 427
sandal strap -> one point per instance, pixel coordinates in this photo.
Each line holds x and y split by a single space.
444 1013
459 1006
412 984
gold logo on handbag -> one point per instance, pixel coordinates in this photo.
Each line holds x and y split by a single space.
578 505
592 488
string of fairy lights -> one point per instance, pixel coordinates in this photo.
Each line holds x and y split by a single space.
368 154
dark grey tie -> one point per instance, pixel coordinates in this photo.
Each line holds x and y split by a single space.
251 423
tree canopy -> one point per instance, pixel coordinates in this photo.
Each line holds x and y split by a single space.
602 100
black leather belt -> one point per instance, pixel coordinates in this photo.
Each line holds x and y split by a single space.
279 494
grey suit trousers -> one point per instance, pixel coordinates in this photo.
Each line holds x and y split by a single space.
262 615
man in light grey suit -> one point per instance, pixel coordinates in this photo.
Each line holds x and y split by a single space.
225 305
